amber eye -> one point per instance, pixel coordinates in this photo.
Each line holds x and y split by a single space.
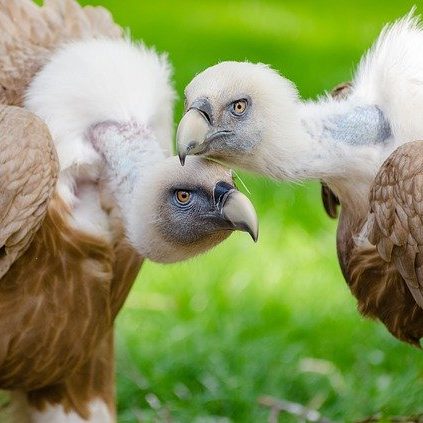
183 197
239 106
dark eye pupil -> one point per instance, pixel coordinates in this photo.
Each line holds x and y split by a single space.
239 107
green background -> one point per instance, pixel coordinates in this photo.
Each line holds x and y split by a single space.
202 340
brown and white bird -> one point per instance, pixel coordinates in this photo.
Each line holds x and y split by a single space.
361 146
87 191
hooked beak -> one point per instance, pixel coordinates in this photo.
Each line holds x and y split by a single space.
191 134
236 209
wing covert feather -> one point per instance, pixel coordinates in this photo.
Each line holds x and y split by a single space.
28 175
395 222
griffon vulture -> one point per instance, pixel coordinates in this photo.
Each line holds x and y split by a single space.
364 147
86 192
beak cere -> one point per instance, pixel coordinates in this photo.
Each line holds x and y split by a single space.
237 209
191 133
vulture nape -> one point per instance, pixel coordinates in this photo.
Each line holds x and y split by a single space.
364 146
87 191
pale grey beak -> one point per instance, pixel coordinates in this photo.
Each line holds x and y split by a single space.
238 210
191 134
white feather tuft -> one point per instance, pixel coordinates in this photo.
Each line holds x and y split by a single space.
391 76
91 81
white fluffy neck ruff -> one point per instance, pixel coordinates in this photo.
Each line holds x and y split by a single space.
314 144
93 81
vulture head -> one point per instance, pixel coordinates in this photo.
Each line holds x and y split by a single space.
184 211
233 113
170 213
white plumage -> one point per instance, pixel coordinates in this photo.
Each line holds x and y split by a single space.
98 80
391 76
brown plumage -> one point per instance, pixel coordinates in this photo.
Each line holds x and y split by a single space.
56 279
396 212
384 274
71 284
28 174
25 47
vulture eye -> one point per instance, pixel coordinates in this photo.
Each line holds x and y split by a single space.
239 107
183 197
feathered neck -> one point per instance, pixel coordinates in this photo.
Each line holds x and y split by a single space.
339 142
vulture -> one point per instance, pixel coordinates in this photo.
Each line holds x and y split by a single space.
363 143
88 189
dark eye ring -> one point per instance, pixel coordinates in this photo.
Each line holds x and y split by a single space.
182 197
239 107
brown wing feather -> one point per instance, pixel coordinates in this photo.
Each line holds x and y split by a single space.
28 174
396 212
380 290
29 33
382 293
94 379
55 304
37 331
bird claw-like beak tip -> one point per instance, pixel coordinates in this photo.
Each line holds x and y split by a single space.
239 210
253 231
254 235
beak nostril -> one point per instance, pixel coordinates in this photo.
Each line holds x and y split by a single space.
205 115
236 209
203 106
191 145
220 190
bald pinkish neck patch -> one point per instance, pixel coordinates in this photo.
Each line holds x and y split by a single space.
129 149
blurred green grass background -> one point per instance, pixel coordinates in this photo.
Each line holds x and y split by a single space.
200 341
